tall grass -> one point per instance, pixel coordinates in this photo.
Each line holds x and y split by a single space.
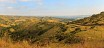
91 44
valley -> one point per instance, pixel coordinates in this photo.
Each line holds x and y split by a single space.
51 32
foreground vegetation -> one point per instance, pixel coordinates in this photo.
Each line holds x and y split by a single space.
49 32
25 44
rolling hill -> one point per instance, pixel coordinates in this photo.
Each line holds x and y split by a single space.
96 19
44 31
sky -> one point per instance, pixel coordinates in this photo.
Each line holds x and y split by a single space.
51 7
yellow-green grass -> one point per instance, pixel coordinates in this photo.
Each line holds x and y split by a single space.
90 44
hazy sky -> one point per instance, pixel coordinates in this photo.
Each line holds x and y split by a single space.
51 7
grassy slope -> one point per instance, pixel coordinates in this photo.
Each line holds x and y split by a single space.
92 35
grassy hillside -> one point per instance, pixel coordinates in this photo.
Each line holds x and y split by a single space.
96 19
50 32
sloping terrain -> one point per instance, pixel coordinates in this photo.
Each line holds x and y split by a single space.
45 30
97 19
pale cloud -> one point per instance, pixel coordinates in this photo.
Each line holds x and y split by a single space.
11 0
14 1
25 0
8 1
23 7
10 7
2 0
39 2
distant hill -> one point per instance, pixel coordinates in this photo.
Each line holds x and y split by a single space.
96 19
72 17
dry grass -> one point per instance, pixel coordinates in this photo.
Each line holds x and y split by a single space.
25 44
